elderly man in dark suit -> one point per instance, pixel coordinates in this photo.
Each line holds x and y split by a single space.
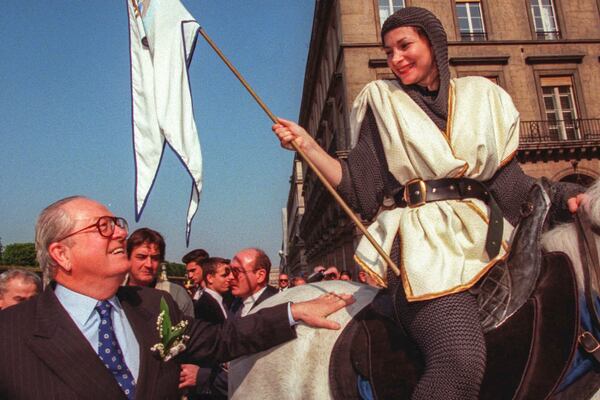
251 268
86 337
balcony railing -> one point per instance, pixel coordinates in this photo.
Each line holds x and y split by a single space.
560 131
547 35
473 36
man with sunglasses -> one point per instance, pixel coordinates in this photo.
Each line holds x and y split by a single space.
86 336
284 282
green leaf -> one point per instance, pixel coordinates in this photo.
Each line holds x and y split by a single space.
166 322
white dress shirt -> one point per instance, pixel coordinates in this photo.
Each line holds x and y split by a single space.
250 300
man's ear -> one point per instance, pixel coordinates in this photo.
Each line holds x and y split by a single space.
261 275
61 254
209 279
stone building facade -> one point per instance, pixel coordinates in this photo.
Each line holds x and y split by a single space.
545 53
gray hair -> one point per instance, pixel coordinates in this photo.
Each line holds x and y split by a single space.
53 223
25 276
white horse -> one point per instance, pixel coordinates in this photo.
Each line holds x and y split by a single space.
299 369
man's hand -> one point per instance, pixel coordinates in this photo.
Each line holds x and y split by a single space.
187 376
313 312
574 202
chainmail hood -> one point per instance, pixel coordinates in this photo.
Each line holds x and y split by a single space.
434 104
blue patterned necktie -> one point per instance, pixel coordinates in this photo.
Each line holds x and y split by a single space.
110 353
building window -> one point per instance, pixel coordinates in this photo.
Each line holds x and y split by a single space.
470 20
388 7
493 78
544 19
560 108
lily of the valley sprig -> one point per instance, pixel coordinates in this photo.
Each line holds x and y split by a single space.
172 339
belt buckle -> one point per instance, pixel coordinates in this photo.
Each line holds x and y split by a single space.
421 192
589 342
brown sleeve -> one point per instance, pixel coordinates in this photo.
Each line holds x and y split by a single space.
365 175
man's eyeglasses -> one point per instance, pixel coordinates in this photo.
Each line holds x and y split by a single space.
283 280
105 225
238 271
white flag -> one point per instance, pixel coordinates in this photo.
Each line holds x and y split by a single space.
162 36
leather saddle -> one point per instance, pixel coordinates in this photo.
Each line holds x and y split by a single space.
510 283
528 307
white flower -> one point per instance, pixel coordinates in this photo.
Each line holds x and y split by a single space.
172 338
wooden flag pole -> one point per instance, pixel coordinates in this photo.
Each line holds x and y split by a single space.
312 166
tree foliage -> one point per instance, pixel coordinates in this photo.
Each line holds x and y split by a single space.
19 254
175 269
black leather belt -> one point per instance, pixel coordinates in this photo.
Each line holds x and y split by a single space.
418 192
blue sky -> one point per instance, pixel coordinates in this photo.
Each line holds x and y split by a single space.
66 119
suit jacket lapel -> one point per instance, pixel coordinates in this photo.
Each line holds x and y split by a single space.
217 309
268 292
143 323
60 345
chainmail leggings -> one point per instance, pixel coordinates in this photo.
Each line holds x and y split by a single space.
449 335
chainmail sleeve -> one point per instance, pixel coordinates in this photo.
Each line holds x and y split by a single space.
510 187
365 175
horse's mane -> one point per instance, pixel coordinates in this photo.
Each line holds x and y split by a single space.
593 207
565 238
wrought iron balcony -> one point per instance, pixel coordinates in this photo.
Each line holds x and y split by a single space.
560 131
473 36
559 140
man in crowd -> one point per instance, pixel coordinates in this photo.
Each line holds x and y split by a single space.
284 282
363 277
193 266
217 283
146 251
210 382
345 276
86 336
251 268
298 281
317 275
16 286
331 273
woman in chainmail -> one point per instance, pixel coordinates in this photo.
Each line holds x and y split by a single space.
434 161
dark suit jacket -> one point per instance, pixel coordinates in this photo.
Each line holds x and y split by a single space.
45 356
211 380
206 308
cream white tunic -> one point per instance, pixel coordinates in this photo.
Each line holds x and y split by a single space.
442 244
